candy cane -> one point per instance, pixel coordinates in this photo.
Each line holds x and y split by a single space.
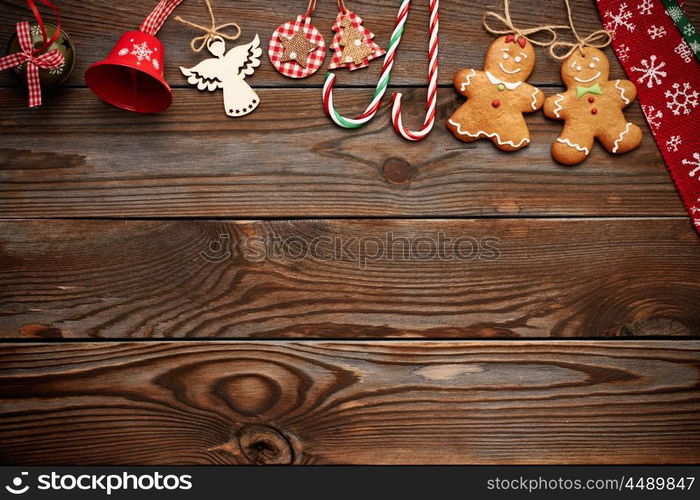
382 84
432 88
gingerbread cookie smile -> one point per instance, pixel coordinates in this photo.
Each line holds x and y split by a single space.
500 65
509 56
594 77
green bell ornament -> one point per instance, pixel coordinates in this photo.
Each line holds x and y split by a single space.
49 78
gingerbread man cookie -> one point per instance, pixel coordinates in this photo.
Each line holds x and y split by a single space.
498 96
591 108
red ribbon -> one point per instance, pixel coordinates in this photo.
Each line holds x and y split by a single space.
155 20
49 60
46 43
516 39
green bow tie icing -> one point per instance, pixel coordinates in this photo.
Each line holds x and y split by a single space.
593 89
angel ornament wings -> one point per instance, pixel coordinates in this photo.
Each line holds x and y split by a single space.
228 72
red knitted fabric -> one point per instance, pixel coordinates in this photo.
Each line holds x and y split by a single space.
660 62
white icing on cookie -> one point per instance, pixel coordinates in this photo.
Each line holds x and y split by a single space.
588 80
468 79
577 147
622 91
557 105
508 85
619 138
534 99
503 68
481 133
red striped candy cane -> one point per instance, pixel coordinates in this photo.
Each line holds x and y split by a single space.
382 84
432 88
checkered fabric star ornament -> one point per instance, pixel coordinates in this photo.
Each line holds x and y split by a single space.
288 48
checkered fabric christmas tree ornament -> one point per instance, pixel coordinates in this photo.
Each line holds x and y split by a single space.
297 48
353 45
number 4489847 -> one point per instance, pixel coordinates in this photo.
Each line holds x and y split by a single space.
659 483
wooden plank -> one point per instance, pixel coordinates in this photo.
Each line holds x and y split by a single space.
96 28
77 157
347 278
401 402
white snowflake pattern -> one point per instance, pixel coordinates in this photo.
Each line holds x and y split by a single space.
692 163
688 30
656 32
58 69
675 12
623 52
673 143
155 63
123 52
653 115
694 212
621 19
695 46
645 7
683 50
141 51
651 72
35 31
682 100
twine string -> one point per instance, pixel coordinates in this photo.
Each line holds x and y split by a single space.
212 32
511 29
341 7
598 39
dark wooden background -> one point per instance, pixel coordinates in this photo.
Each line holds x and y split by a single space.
114 325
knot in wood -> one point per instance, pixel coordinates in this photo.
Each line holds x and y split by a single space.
263 445
398 170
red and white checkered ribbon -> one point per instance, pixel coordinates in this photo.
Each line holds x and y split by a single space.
155 20
49 60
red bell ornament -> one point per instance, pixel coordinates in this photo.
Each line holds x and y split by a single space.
132 76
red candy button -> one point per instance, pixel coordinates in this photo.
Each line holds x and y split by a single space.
591 99
496 103
594 111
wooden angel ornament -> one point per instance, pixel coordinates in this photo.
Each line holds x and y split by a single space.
227 71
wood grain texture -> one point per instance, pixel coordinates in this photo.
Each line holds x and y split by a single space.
341 278
78 157
95 29
320 402
353 403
